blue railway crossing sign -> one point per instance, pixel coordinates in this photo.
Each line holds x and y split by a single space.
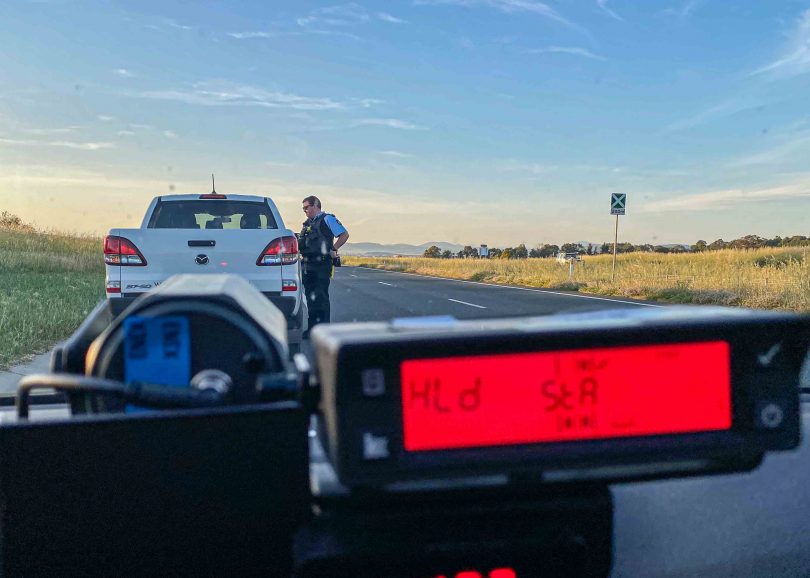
618 202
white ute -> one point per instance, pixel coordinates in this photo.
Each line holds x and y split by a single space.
211 233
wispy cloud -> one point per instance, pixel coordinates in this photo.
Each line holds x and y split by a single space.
684 10
123 73
535 169
506 6
776 154
173 24
168 23
252 34
689 7
50 131
466 43
256 34
513 165
386 17
388 122
126 132
227 94
335 20
84 146
795 57
722 110
339 15
603 5
169 134
727 198
105 118
395 154
574 51
140 126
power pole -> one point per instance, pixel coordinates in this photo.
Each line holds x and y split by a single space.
615 242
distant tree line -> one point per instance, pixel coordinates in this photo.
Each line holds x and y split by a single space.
547 250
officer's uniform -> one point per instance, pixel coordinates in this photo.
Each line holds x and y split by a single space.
316 243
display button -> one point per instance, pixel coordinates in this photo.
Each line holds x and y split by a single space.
375 447
373 381
770 357
770 415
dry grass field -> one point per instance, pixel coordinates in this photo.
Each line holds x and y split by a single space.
764 278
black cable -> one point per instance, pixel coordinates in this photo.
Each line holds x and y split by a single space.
146 394
67 382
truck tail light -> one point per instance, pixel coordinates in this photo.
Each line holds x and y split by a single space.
289 285
281 251
113 286
121 251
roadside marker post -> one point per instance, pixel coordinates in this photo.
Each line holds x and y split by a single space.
618 204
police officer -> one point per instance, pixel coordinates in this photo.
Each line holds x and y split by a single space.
319 249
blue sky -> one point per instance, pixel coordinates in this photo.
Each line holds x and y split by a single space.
472 121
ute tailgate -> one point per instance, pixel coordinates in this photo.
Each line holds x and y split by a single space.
174 251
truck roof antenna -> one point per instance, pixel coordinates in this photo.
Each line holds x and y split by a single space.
213 186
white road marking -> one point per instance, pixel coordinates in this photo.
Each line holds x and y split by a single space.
352 275
465 303
382 283
519 288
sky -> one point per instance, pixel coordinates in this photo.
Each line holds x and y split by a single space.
467 121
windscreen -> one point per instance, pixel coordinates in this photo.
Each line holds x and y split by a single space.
212 214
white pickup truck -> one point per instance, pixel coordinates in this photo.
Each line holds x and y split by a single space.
211 233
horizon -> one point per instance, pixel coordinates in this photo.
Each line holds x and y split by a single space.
504 120
584 244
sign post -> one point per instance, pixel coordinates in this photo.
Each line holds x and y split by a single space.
618 203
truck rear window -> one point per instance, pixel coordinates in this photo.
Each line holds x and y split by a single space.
213 214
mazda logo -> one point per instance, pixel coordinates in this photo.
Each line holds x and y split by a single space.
201 259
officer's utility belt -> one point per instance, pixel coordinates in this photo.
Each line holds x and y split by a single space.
316 259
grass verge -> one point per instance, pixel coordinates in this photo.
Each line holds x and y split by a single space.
48 284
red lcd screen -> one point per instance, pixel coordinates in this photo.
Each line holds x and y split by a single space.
582 394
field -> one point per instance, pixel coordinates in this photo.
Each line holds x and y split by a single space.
765 278
48 284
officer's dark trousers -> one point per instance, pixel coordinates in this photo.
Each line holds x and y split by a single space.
316 288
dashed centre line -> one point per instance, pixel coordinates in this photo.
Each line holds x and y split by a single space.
384 283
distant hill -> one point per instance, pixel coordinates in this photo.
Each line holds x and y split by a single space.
381 250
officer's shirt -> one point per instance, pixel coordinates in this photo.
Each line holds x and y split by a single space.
335 225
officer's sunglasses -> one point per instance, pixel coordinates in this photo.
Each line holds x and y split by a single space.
306 207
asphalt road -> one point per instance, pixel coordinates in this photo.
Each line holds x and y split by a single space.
359 294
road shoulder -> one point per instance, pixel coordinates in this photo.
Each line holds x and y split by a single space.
9 379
